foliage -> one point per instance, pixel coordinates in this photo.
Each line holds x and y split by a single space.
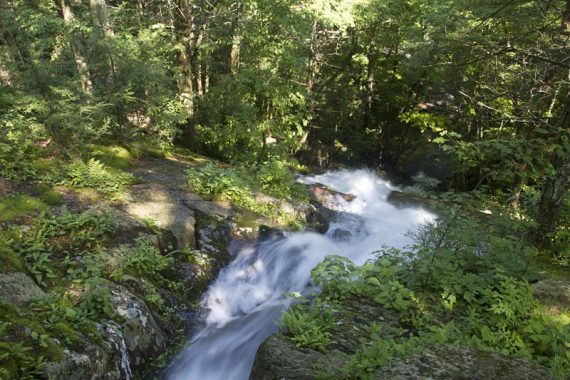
309 325
219 183
464 282
237 186
96 175
275 178
43 240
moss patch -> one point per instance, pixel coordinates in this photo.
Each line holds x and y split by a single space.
52 197
9 260
115 157
45 165
16 206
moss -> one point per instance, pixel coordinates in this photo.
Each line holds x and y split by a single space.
8 311
14 207
141 149
32 324
53 353
52 197
45 165
115 157
9 260
64 331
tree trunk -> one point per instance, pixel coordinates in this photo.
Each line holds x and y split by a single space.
515 199
100 16
554 187
185 33
80 61
236 40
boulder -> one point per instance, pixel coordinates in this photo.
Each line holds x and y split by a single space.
166 208
143 338
553 293
92 362
18 289
450 362
279 358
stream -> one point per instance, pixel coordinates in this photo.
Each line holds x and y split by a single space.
244 303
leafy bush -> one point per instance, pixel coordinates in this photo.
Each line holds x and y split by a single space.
464 282
275 178
219 183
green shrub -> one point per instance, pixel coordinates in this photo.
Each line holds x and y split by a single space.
276 179
465 282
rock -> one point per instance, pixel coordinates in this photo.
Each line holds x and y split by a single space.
92 363
143 337
553 293
406 200
279 358
214 209
449 362
166 208
328 197
18 289
270 233
341 234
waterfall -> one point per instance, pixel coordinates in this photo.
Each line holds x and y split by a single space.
245 301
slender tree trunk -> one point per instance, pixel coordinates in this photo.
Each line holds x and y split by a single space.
199 82
236 40
80 62
140 5
554 187
515 199
185 33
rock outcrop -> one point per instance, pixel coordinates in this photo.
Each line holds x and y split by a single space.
18 289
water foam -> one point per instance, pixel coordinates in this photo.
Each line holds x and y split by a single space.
248 296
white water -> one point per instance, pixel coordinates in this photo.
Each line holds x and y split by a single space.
247 299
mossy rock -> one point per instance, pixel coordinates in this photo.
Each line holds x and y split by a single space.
14 207
45 165
279 358
52 197
455 362
115 157
18 289
9 260
140 149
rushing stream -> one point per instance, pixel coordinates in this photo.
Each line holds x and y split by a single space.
247 298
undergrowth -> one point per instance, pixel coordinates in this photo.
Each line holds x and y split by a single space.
464 282
70 256
239 186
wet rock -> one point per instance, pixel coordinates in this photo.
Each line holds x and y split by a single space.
449 362
406 200
341 234
144 339
279 358
18 289
328 197
270 233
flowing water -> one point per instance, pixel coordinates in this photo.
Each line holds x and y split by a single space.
247 298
